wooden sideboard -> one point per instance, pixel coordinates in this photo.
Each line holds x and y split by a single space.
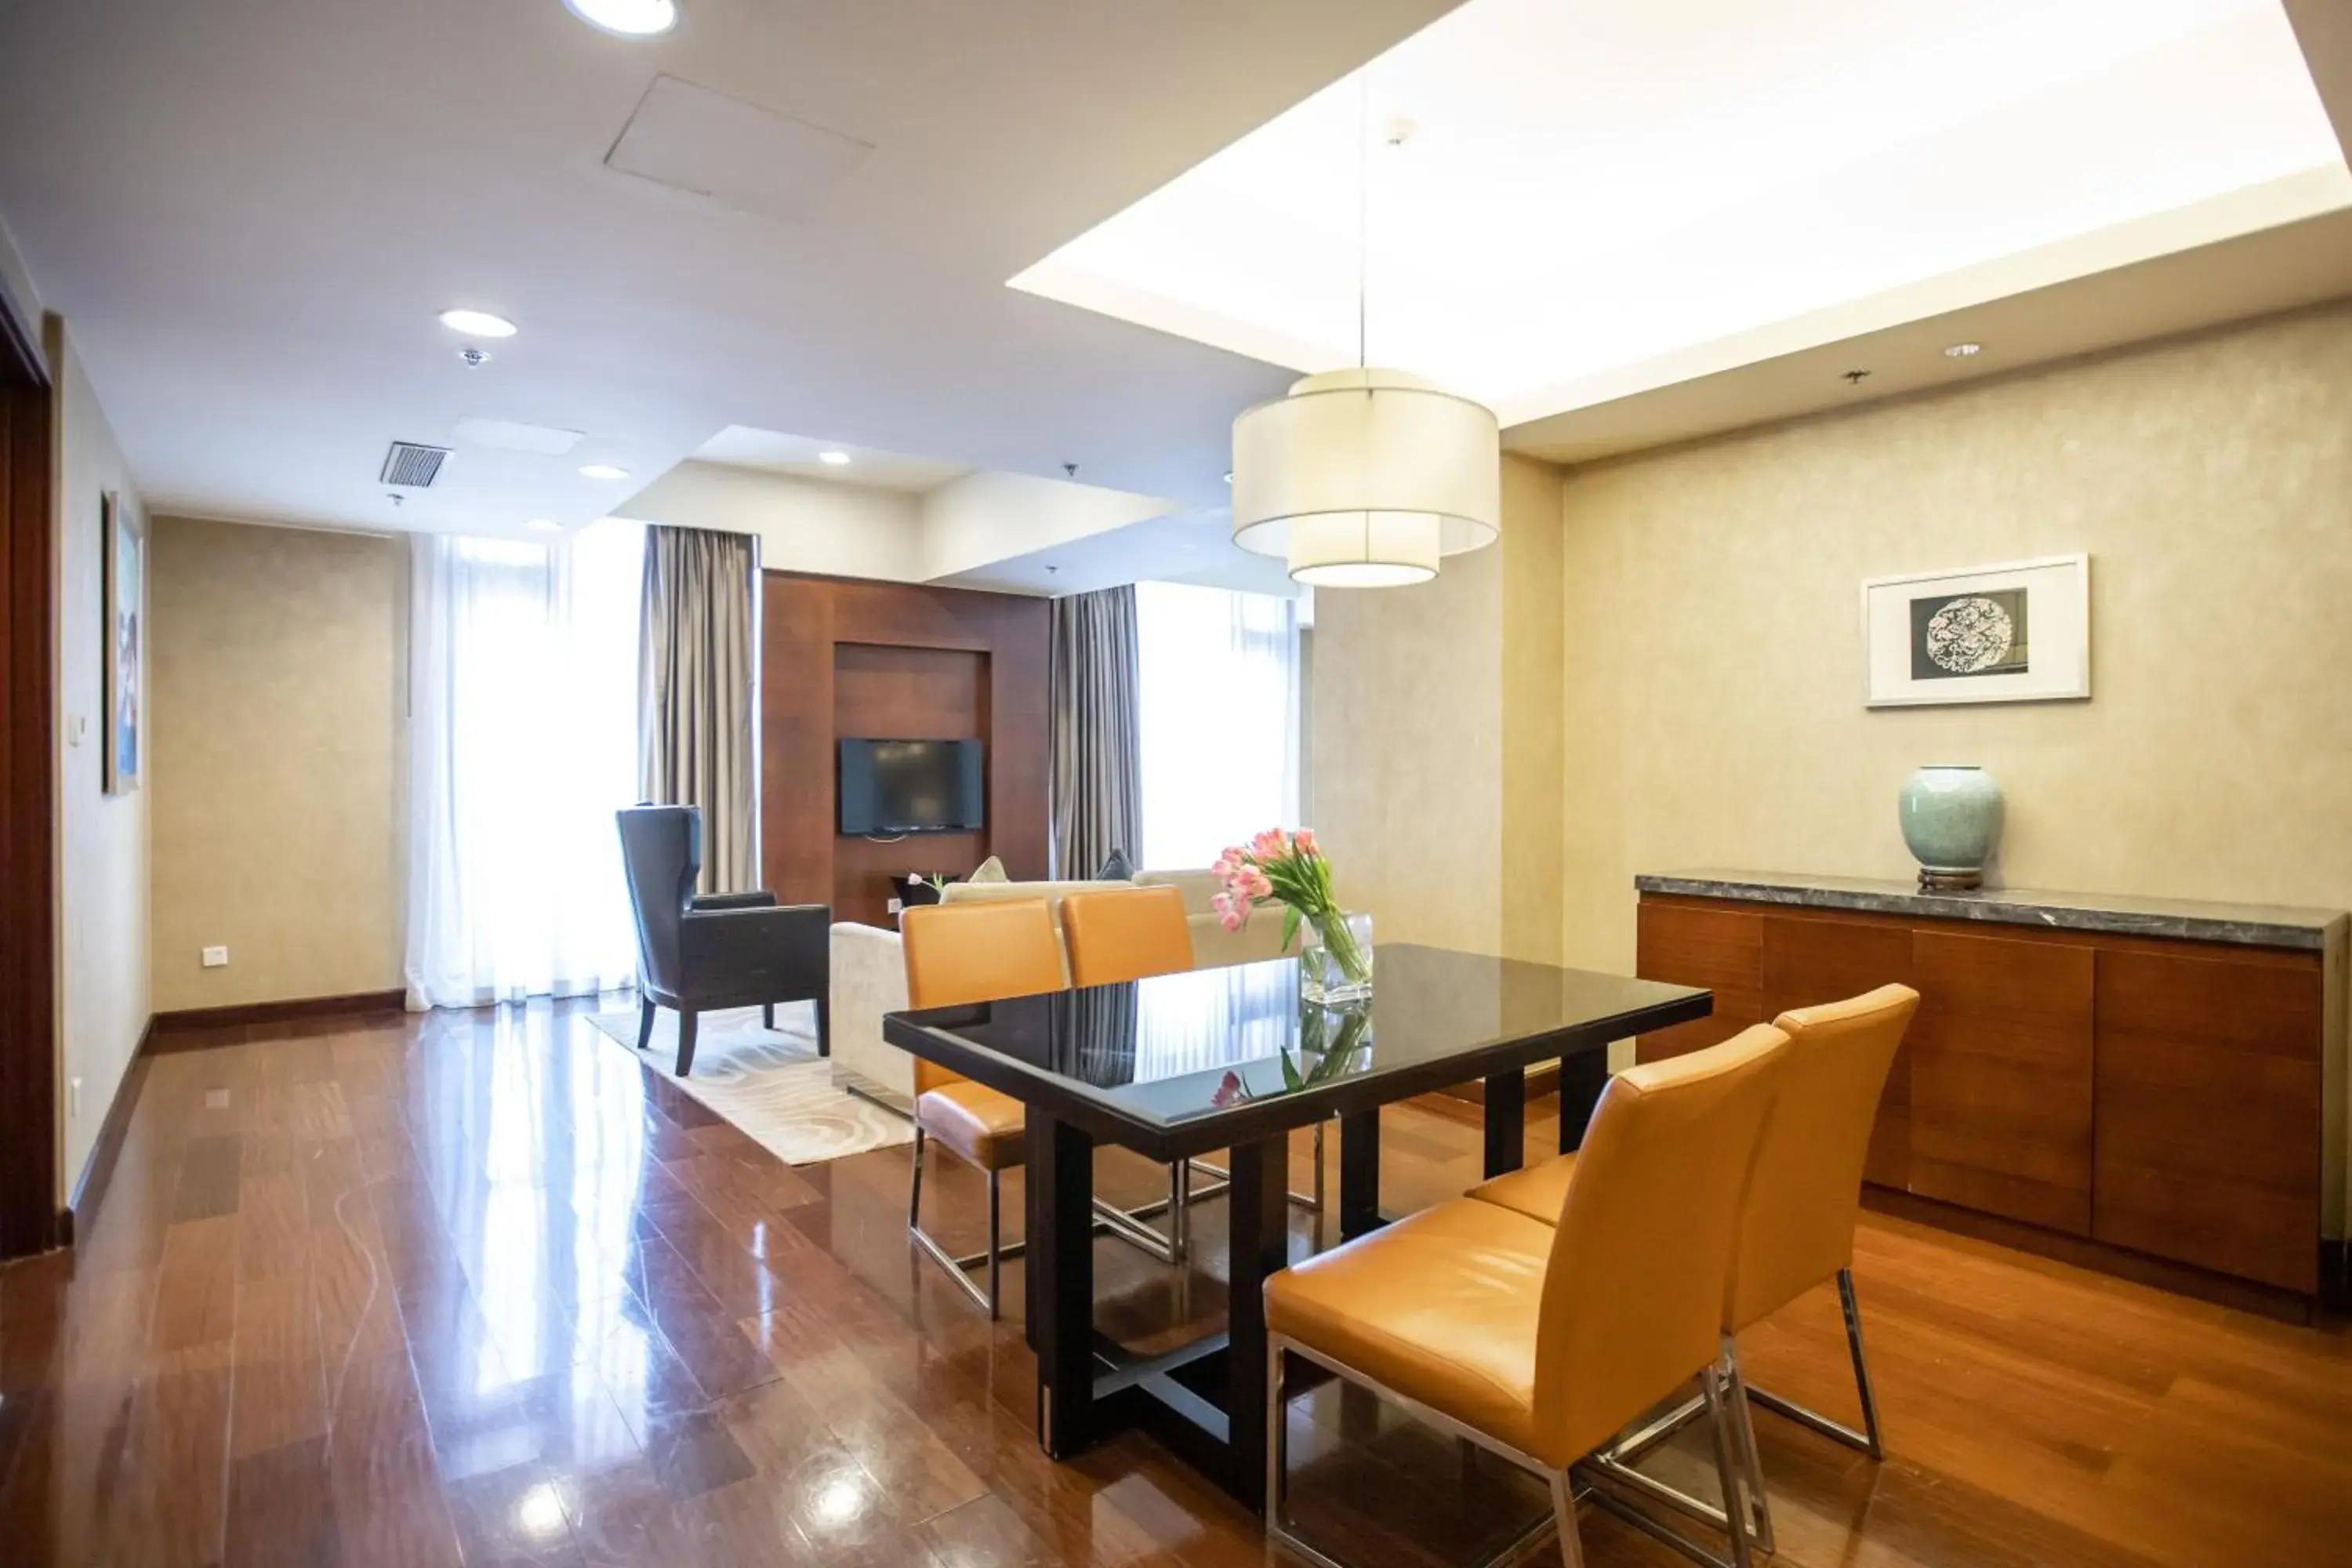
2153 1077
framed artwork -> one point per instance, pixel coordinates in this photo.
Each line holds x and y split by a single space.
2020 632
124 550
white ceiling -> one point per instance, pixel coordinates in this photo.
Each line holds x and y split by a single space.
1590 201
1657 220
776 453
250 212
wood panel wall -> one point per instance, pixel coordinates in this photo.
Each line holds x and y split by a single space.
2159 1096
848 657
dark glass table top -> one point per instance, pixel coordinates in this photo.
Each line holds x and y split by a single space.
1187 1062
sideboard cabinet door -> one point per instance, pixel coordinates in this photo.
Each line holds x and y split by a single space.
1687 945
2000 1077
2208 1112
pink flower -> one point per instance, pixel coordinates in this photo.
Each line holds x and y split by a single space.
1256 886
1229 1090
1230 911
1268 845
1306 840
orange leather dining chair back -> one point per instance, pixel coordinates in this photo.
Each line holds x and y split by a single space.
979 952
1798 1229
1126 934
1635 1281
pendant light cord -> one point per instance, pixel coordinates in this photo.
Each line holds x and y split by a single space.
1363 215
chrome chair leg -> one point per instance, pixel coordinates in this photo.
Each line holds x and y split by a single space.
915 1188
1868 1439
1563 1508
1727 1472
1758 1509
1877 1449
1278 1460
958 1270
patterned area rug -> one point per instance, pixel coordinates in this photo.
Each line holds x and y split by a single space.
768 1082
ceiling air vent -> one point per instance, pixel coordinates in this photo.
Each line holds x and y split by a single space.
411 464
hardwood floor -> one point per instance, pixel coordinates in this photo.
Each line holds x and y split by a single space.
476 1289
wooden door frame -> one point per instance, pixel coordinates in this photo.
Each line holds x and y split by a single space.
30 1218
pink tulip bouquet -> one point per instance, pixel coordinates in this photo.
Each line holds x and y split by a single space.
1286 868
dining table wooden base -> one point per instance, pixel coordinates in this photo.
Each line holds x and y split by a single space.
1205 1399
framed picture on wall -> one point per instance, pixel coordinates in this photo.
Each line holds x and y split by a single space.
124 555
2019 632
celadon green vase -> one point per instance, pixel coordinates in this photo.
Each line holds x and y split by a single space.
1951 816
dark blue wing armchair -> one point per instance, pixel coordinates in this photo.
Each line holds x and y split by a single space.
723 950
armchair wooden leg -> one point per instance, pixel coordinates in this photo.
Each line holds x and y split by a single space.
685 1041
767 1014
824 1026
645 1022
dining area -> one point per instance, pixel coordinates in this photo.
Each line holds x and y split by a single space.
1563 1316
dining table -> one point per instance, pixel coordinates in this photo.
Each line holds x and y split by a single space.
1177 1066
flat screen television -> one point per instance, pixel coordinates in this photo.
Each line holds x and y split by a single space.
910 786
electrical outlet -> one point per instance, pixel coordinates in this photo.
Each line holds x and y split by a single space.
897 906
215 957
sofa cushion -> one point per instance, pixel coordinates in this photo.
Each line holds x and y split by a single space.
989 871
1198 887
1116 867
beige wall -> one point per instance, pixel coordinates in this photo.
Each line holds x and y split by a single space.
102 840
1713 675
276 667
1438 814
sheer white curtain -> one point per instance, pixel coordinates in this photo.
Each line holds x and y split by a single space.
1217 702
523 744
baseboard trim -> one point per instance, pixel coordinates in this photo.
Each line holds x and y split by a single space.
90 1189
2099 1257
170 1026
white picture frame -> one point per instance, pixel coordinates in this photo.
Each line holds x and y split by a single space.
2018 631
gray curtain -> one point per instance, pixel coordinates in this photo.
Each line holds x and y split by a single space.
698 662
1097 784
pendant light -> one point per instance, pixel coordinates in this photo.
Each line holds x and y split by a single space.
1366 477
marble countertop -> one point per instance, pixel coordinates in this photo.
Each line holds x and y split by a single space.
2259 925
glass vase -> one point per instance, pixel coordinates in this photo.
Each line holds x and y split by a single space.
1336 965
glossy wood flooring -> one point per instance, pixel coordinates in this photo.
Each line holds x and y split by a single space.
478 1289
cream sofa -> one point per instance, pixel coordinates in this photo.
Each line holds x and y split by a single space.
869 969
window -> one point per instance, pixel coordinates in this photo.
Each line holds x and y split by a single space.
1218 699
523 742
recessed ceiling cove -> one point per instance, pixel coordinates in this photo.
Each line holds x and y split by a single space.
1565 202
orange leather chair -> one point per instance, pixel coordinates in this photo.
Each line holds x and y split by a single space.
1798 1231
958 953
1541 1342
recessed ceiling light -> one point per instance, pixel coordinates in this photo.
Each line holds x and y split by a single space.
603 471
833 459
545 525
477 324
628 18
1229 476
1962 351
